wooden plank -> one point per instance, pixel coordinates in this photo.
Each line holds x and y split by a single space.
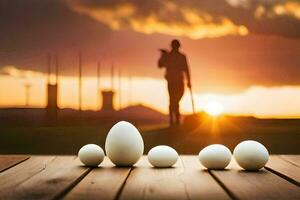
13 177
284 169
57 176
178 182
104 182
199 183
8 161
295 159
146 182
255 185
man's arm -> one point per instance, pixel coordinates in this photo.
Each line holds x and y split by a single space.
163 58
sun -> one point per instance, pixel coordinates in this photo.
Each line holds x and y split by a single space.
214 108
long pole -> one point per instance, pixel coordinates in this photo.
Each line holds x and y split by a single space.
112 74
129 88
98 74
56 68
192 100
120 89
98 82
27 94
80 82
56 78
49 68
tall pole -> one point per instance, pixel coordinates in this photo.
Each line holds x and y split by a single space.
49 68
56 78
80 82
120 88
56 68
112 71
129 88
98 75
98 82
27 94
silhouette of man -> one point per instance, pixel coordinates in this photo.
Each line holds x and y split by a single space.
177 71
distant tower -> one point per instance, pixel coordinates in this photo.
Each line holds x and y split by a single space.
52 91
108 95
107 100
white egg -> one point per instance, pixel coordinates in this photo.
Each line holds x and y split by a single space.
251 155
124 144
91 155
162 156
215 156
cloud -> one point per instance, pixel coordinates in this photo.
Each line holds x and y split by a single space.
239 3
288 8
10 70
164 17
196 19
270 8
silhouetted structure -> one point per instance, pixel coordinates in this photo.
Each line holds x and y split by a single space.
52 92
176 68
108 100
52 97
108 95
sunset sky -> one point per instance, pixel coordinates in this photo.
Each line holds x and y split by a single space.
244 54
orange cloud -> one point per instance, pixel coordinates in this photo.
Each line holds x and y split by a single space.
114 17
188 21
289 8
13 71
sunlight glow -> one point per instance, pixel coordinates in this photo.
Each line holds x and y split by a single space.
214 108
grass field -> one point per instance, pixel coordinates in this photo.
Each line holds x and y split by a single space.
283 137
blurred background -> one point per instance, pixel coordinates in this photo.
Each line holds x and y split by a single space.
70 69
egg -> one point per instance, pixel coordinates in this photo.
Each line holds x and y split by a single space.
251 155
215 156
124 144
162 156
91 155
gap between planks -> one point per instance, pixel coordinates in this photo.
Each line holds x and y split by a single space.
284 168
103 182
72 185
42 177
186 180
119 192
9 161
261 184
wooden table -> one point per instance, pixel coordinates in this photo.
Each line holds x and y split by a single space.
63 177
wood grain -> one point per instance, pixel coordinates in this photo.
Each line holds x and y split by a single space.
52 181
104 182
146 182
8 161
51 177
199 183
12 178
295 159
256 185
186 180
284 168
